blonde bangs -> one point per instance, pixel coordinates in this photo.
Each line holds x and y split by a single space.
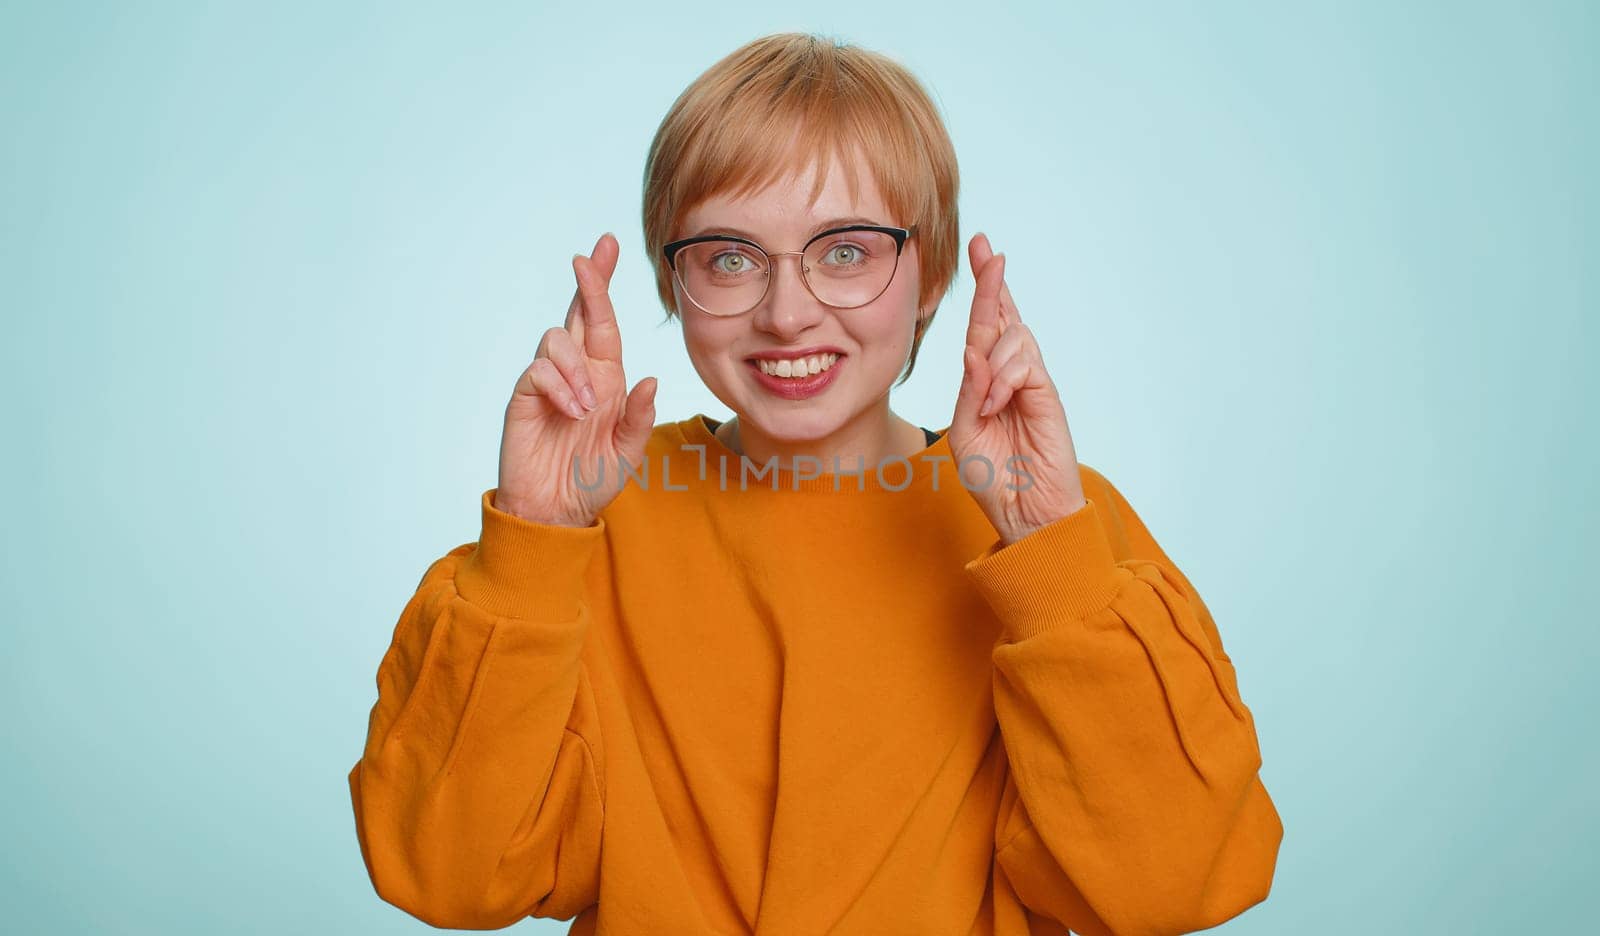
783 103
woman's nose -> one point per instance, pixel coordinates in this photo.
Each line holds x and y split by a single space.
788 308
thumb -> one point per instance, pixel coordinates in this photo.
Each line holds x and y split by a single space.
975 380
638 418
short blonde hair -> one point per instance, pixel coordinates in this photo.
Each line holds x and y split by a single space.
772 107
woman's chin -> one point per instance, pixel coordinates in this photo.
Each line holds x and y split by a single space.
793 422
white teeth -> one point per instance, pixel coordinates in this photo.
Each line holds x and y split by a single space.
799 367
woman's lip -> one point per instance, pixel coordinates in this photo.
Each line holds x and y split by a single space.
791 389
795 357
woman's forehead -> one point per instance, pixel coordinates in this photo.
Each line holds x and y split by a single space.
784 207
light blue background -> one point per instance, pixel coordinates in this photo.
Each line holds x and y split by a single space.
1317 285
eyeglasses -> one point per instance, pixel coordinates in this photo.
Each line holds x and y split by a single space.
845 267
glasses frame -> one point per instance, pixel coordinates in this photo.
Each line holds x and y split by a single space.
900 235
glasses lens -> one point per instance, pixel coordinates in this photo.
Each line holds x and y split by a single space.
851 268
722 277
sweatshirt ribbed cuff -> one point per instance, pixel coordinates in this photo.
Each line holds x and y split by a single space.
1058 574
527 570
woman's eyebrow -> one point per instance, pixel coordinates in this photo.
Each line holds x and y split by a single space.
815 230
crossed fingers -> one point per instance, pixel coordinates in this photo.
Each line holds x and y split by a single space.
996 333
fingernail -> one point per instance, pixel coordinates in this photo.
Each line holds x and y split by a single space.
984 410
588 397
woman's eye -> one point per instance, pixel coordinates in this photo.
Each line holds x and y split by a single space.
731 262
844 254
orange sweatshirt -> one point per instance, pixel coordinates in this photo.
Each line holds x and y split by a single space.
841 709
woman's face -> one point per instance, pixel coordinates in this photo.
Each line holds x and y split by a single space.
872 341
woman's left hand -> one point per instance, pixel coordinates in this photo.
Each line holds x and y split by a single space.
1009 415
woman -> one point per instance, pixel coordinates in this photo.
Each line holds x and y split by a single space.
813 668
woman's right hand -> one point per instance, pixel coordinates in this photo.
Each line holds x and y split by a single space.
570 403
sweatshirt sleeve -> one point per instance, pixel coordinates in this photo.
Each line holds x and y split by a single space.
479 794
1132 803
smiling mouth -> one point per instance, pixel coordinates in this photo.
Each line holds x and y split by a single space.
796 368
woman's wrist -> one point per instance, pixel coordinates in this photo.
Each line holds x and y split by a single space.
521 511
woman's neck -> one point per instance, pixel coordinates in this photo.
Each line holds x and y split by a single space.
872 437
